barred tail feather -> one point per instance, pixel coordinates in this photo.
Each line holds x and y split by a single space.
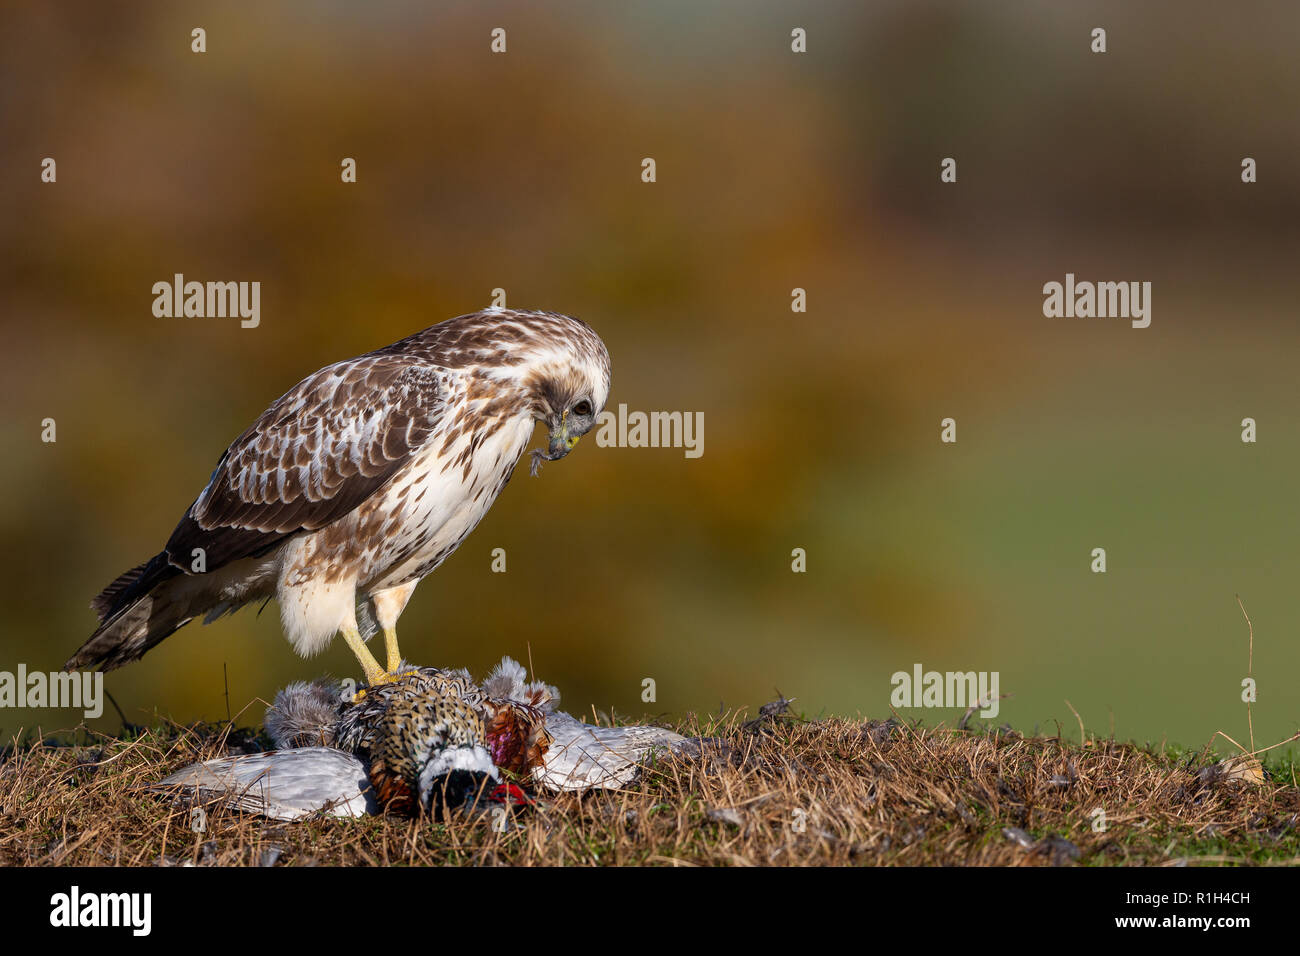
126 587
136 611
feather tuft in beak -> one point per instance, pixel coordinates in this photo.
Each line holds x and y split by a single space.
561 444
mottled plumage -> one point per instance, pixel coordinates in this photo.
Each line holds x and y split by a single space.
359 481
358 718
523 731
430 752
425 751
352 756
513 712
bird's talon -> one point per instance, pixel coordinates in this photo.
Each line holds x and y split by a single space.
378 680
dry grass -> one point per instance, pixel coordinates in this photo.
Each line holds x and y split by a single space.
776 790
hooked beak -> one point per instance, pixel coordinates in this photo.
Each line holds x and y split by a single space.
560 444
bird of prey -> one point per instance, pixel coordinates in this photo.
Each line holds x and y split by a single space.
423 751
358 482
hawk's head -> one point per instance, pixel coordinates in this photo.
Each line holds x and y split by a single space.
549 367
566 375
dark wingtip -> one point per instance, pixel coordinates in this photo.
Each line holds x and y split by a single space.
123 589
132 585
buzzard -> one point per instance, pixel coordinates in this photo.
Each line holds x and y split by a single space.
358 482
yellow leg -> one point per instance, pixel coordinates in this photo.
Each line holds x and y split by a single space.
387 605
394 655
369 666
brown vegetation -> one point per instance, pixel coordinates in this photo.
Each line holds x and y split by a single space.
775 790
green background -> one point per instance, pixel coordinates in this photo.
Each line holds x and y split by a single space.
775 171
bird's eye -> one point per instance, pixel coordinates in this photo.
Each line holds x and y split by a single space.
582 408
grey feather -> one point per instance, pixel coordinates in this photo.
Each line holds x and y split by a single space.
324 740
583 757
282 784
304 714
509 682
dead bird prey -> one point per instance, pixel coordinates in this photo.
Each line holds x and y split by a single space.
526 735
512 709
423 751
359 481
338 749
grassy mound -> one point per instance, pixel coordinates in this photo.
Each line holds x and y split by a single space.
775 790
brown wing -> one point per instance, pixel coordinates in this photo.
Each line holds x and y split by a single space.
313 456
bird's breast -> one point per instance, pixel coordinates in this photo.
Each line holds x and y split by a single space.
431 505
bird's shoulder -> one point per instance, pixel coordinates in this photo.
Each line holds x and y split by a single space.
325 445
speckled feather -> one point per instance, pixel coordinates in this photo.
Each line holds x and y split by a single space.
392 728
513 712
410 730
358 722
359 480
412 742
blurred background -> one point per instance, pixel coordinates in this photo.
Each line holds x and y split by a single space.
775 171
